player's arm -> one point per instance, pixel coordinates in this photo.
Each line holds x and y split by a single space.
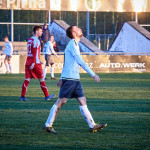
86 68
59 83
3 51
32 66
11 47
80 61
52 50
32 50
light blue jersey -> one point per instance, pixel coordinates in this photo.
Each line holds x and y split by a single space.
48 48
72 61
8 48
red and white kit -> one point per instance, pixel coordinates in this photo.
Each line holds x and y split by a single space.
33 56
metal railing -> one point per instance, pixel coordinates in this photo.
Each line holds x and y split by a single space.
87 53
102 41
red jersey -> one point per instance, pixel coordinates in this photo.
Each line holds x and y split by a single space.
33 51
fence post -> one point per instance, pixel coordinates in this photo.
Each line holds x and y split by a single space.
12 25
87 25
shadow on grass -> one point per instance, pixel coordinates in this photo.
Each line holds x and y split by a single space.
114 105
18 147
13 102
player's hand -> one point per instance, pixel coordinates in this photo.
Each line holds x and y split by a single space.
96 78
32 66
59 83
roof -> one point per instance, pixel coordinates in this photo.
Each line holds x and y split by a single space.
83 40
137 27
140 29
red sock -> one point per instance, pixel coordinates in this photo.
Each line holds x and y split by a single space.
24 88
44 88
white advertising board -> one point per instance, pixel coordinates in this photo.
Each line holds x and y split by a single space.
15 63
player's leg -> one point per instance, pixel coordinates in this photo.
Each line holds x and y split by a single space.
45 68
53 114
9 63
52 72
88 117
52 68
78 92
45 90
37 73
24 89
28 76
65 92
45 71
6 64
85 111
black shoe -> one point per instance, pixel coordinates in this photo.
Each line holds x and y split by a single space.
98 127
49 129
45 78
53 78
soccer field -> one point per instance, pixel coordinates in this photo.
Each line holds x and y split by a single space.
120 100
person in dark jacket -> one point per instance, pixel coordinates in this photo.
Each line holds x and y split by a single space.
45 36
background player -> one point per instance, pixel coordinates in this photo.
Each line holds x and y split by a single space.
8 51
33 67
45 36
48 51
70 82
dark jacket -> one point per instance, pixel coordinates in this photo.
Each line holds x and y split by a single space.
46 34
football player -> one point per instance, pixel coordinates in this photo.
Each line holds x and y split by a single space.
48 51
8 51
33 67
69 83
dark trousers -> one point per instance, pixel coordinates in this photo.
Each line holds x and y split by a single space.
42 45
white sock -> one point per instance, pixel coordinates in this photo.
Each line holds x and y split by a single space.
87 115
10 67
52 72
52 116
44 72
6 65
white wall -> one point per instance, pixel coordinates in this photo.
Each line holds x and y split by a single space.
129 40
15 64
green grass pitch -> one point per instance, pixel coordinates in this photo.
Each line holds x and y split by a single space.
120 100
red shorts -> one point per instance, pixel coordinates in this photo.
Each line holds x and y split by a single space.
35 73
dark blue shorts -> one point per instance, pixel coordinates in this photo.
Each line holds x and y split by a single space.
71 89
